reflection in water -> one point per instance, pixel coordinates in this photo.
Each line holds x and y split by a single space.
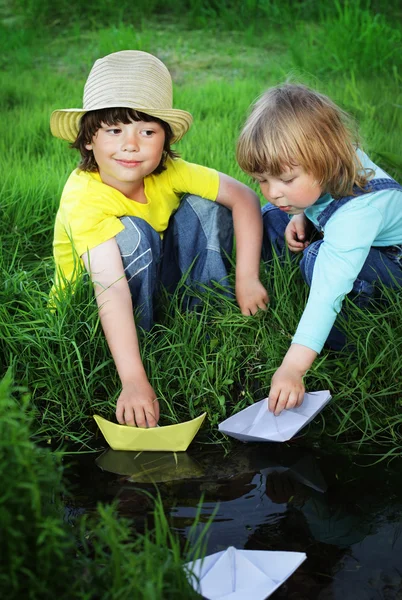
149 467
269 497
305 470
235 519
375 563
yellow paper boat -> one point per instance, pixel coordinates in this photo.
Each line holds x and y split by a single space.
174 438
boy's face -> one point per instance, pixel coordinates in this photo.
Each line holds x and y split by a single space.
127 152
292 191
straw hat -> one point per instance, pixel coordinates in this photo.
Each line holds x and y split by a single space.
127 79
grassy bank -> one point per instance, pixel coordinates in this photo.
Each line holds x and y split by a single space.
101 556
219 361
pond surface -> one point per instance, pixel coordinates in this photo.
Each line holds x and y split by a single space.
344 513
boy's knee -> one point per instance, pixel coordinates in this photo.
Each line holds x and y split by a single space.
211 218
137 236
203 208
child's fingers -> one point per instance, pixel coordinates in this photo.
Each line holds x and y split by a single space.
300 398
156 409
273 398
290 236
250 305
261 303
152 414
129 416
293 241
296 246
281 402
120 414
293 400
151 419
140 416
300 229
277 402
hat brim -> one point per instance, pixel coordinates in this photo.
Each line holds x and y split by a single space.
64 123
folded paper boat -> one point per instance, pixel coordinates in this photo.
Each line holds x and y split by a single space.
175 438
256 423
149 467
242 574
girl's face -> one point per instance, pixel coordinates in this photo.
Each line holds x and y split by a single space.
292 191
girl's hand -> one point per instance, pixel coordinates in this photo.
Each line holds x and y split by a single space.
287 387
287 390
295 233
251 295
137 405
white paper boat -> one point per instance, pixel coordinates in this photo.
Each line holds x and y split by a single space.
242 574
257 424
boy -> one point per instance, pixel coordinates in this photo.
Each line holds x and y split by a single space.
118 204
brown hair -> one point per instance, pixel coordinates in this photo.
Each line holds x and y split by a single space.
92 121
292 124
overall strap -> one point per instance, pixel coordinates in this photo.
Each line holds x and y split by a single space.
376 185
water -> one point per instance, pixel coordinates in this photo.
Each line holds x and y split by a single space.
344 513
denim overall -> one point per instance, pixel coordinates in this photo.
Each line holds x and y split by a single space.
197 243
383 264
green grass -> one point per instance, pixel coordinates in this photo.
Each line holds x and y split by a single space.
217 361
56 370
101 556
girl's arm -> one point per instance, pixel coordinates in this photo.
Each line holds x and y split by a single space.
137 402
349 235
246 210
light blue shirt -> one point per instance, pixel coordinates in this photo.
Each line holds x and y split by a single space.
371 220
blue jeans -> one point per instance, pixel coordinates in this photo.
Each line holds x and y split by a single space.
197 242
381 266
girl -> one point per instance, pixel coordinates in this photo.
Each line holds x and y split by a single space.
302 150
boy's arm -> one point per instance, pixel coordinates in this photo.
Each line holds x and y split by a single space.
246 210
287 388
137 402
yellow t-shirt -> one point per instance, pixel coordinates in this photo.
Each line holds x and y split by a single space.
89 209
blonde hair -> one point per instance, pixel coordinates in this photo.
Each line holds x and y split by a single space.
292 124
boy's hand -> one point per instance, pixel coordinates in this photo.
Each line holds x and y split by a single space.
251 295
295 233
287 390
137 405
